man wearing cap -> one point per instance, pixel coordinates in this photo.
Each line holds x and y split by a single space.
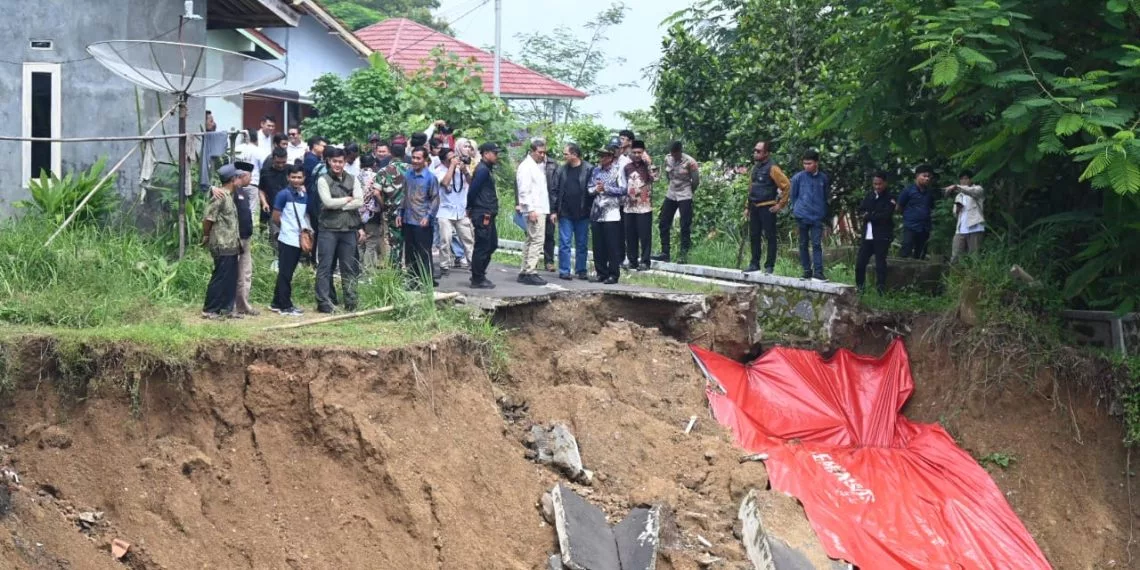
534 204
220 233
916 203
608 185
482 207
340 228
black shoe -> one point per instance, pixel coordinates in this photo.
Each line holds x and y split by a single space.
484 284
565 276
584 276
769 271
661 257
444 272
819 278
532 279
633 267
610 281
327 309
806 275
752 268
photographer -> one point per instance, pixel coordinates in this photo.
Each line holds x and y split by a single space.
454 182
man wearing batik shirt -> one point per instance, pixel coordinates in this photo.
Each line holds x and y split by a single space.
608 185
638 209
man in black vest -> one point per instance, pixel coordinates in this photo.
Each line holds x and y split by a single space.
767 194
340 230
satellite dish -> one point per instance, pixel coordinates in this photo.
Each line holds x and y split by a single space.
181 69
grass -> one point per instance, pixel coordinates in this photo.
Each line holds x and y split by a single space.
108 284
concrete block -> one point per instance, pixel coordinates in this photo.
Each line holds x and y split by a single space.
766 550
638 537
584 535
564 449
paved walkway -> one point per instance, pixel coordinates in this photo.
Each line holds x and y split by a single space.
508 291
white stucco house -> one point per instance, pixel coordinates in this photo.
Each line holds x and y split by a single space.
318 44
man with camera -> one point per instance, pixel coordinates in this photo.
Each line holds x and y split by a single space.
454 182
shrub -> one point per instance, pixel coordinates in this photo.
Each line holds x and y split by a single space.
56 198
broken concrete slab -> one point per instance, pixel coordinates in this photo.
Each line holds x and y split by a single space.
766 551
555 562
638 537
564 448
584 535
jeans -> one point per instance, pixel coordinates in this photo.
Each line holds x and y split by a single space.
336 248
813 263
486 242
762 226
638 238
578 230
914 243
287 259
607 249
548 242
879 249
665 224
222 289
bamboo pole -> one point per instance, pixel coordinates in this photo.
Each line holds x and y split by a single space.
347 316
104 180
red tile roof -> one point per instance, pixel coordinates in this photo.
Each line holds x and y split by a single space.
405 43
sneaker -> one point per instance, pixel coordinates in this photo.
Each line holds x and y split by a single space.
819 278
610 281
661 257
275 309
806 275
484 284
769 271
211 316
565 276
752 268
532 279
583 276
292 312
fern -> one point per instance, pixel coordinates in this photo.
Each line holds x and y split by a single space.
1069 124
946 70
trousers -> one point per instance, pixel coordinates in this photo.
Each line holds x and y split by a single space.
669 209
607 249
532 247
762 226
879 249
222 289
287 259
336 248
486 242
638 238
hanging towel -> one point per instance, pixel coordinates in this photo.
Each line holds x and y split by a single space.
213 144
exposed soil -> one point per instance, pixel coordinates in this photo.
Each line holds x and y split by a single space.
414 458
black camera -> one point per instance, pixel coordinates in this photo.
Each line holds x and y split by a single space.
446 130
465 159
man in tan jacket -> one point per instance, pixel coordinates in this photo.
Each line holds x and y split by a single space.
969 205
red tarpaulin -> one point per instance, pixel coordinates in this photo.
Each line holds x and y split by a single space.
880 491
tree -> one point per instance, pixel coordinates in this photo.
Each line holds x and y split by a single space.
358 14
353 108
451 88
576 62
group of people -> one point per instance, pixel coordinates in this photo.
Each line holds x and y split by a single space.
405 201
341 209
807 193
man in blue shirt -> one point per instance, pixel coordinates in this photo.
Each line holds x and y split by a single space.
421 204
809 194
916 204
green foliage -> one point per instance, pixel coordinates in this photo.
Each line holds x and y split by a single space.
380 99
452 89
357 14
353 108
56 198
998 459
586 132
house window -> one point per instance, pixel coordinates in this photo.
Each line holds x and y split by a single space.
41 119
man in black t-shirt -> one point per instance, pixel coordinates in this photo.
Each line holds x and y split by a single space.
571 200
274 178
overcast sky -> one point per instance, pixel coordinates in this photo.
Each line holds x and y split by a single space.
638 39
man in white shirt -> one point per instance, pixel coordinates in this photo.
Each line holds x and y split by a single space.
534 204
264 138
968 207
454 181
297 147
249 151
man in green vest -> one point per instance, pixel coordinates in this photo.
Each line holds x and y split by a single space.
340 231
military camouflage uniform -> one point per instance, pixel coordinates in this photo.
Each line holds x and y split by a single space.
390 179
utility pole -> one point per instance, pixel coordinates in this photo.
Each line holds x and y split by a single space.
498 43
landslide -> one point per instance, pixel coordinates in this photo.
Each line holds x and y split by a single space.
410 458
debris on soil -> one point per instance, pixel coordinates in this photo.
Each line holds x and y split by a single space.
588 543
557 447
55 437
765 547
120 548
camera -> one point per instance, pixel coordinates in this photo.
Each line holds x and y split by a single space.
446 130
465 159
